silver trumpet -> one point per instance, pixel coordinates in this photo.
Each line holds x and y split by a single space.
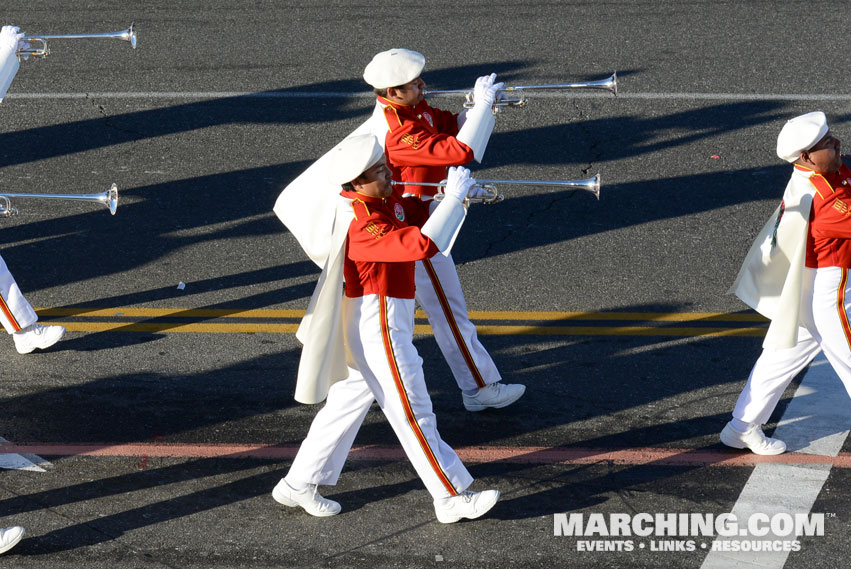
492 195
108 198
128 35
519 99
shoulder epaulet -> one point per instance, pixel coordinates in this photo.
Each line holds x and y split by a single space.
359 206
391 115
822 186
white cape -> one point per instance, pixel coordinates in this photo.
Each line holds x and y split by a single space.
771 278
323 357
319 217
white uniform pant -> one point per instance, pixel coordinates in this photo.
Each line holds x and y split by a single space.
15 312
383 366
826 301
439 293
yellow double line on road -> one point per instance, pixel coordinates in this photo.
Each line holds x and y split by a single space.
493 323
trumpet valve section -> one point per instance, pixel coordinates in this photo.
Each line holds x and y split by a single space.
6 209
34 51
485 194
490 195
518 100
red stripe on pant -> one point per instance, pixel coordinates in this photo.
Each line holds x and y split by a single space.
403 397
450 319
840 307
8 313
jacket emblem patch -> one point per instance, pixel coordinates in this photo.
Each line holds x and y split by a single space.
412 141
374 230
399 211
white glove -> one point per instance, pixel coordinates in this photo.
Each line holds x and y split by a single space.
485 91
458 183
9 37
12 39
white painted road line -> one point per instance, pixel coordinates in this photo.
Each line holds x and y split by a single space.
814 422
817 419
828 97
23 461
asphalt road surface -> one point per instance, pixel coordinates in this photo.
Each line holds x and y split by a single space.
152 435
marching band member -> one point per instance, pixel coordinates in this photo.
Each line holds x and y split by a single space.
796 274
421 142
10 537
16 314
371 336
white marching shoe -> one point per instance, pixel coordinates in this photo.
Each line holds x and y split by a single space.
35 336
308 498
494 395
467 504
10 537
754 439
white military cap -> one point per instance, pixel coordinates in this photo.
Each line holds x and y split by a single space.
800 134
394 67
353 157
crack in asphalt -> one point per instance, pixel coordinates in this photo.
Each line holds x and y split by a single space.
108 118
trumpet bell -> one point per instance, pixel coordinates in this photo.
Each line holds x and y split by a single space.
129 35
613 84
591 184
110 199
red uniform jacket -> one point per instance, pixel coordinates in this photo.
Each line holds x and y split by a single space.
381 248
420 145
829 235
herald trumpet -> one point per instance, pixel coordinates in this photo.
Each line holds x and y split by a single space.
516 96
128 35
491 195
108 198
